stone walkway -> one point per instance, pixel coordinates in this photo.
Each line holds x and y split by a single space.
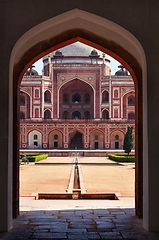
77 219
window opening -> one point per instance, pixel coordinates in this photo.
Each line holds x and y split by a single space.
35 136
76 115
131 116
22 115
55 137
96 137
76 98
116 137
65 98
131 101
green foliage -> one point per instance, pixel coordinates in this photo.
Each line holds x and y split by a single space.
33 157
36 158
122 158
128 140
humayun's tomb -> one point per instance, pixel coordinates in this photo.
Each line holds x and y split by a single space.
76 103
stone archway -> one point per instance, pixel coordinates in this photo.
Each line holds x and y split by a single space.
131 56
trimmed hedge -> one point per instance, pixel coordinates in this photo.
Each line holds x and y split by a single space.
37 158
122 158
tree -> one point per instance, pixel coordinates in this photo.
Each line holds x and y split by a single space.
128 140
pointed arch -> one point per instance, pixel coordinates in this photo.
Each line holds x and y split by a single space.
78 25
35 142
47 114
47 96
105 114
105 96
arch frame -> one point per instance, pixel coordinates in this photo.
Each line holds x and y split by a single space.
64 29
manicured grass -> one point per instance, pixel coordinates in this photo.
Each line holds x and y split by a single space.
122 158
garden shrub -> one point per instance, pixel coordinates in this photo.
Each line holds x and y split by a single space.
36 158
122 158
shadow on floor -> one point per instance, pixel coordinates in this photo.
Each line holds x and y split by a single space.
97 223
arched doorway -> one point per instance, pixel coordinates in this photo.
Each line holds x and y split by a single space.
130 57
76 140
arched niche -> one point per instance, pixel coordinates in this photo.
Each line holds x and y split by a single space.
128 102
47 114
96 140
117 139
55 139
66 114
131 116
105 114
25 104
47 96
105 96
76 115
87 114
35 142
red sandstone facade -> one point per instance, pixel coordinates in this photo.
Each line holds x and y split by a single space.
76 104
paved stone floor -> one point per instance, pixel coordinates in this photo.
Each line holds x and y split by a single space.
73 219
